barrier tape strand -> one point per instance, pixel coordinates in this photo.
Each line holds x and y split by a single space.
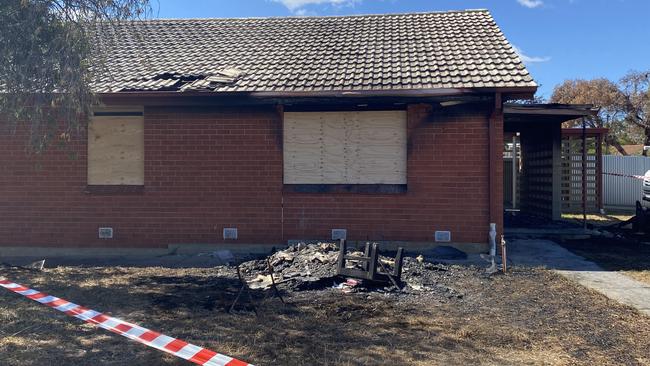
176 347
625 175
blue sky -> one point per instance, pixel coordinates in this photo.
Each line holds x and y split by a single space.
560 39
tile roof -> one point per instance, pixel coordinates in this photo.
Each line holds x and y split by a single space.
419 51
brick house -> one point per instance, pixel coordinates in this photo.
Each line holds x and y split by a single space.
389 127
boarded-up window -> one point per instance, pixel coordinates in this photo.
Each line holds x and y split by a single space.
345 147
116 148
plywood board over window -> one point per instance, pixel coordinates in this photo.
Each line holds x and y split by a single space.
116 147
359 147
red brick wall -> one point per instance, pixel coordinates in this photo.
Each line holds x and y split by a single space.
496 168
206 169
447 190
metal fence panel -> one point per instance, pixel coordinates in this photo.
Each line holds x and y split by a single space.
623 191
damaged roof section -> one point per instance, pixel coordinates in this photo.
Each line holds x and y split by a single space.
173 81
394 52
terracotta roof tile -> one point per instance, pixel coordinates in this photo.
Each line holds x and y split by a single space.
461 49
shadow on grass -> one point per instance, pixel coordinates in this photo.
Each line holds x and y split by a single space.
615 254
525 317
324 328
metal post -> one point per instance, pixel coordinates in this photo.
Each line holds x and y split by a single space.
599 172
514 171
584 174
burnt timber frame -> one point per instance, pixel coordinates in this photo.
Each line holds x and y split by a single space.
372 270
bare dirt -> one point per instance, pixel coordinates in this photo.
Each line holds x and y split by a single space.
531 317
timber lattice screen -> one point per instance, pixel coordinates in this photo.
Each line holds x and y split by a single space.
536 174
572 171
508 170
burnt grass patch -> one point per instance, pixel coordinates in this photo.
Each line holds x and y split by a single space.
528 316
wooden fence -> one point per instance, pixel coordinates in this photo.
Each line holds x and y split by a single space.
577 162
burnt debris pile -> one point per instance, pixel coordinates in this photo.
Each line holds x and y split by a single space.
314 266
298 267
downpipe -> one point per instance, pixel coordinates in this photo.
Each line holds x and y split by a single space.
493 248
491 257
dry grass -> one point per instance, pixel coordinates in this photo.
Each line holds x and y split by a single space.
530 317
643 276
598 219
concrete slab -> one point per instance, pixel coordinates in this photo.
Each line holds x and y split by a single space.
614 285
173 256
552 233
166 261
411 246
108 252
546 253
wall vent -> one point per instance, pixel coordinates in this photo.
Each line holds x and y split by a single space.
443 236
230 233
105 233
338 234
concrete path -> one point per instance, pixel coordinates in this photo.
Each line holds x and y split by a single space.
614 285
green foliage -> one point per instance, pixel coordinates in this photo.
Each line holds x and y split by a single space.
48 61
627 134
624 105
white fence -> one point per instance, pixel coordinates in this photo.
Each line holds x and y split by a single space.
623 191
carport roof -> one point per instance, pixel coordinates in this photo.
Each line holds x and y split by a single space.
542 113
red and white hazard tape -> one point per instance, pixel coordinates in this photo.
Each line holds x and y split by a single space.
176 347
625 175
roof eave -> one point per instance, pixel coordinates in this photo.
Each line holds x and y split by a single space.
508 93
520 91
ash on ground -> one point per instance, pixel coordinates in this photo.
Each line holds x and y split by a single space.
313 267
